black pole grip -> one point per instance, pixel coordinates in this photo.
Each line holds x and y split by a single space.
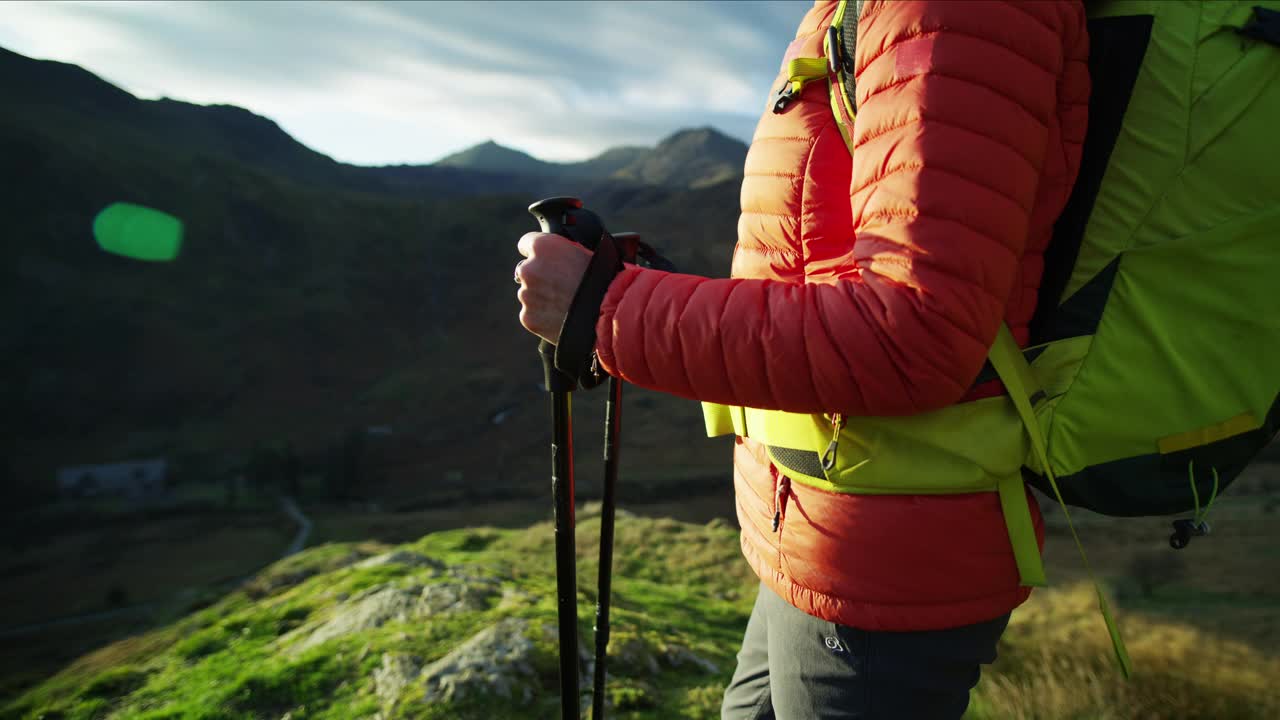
564 216
552 217
551 213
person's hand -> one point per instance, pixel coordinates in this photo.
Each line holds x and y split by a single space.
548 277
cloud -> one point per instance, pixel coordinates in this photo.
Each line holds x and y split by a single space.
390 82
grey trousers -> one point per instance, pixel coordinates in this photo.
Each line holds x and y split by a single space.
794 666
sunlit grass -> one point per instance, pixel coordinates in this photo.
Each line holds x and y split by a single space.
678 587
1056 663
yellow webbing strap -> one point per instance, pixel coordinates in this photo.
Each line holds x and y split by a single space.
724 419
1242 423
717 418
841 108
1022 531
804 70
767 427
1014 371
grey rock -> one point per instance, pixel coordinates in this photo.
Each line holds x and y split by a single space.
402 600
398 671
472 574
402 557
451 597
679 657
513 598
496 661
365 611
635 656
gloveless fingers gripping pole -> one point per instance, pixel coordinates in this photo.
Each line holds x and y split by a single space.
553 217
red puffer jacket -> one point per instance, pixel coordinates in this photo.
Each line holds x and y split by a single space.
873 285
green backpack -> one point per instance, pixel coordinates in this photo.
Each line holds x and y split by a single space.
1153 375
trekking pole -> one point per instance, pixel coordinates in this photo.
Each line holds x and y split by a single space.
562 492
564 216
627 243
604 581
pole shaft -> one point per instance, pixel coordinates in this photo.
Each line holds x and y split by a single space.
608 505
566 556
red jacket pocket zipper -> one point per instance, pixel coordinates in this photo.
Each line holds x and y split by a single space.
780 501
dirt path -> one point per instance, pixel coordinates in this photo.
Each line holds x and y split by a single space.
304 525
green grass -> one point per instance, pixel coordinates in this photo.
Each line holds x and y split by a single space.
1056 663
679 588
239 658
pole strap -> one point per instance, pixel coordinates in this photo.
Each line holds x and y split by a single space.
576 344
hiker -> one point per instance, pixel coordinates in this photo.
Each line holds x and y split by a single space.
871 276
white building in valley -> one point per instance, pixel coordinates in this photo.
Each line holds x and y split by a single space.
135 480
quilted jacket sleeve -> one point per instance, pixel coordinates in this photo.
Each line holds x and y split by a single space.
956 102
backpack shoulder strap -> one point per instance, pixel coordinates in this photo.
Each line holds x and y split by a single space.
1024 391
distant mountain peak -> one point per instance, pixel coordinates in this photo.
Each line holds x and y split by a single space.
691 157
705 135
703 131
490 155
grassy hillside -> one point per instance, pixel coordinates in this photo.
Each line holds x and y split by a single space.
460 625
310 635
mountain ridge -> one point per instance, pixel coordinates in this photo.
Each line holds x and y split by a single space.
689 157
220 128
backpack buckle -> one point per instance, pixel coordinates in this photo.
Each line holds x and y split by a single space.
833 49
1184 530
783 97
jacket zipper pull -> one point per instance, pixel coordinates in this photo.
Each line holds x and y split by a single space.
829 457
780 501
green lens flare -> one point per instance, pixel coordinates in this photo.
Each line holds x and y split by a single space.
138 232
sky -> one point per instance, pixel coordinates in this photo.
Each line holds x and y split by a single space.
375 83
